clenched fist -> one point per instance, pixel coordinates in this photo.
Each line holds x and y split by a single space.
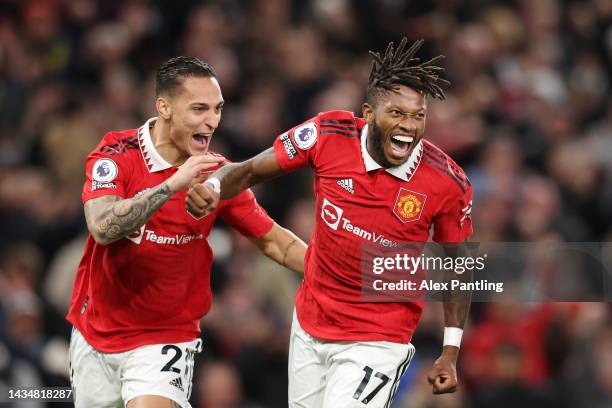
443 374
202 199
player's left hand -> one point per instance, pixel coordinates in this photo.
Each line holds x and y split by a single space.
201 200
443 374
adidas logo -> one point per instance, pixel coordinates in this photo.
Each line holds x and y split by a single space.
346 184
177 383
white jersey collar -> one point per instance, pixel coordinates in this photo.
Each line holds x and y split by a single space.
152 158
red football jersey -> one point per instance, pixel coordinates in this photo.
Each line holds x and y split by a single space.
359 202
154 285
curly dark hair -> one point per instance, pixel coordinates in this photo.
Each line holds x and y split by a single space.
401 67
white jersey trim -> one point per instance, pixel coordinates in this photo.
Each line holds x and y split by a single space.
151 157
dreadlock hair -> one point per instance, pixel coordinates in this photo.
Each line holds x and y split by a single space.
400 67
171 73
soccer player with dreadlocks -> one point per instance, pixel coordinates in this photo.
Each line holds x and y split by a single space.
377 182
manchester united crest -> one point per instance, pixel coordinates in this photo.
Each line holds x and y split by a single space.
409 205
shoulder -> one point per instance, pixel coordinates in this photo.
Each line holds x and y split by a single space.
338 115
442 164
341 118
118 142
325 128
339 123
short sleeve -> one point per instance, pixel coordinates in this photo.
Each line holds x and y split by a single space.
246 216
297 147
105 175
454 224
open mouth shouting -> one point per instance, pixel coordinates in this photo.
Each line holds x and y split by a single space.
401 146
201 140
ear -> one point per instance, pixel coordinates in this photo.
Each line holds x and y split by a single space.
368 112
163 107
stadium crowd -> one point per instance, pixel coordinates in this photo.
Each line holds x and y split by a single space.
528 115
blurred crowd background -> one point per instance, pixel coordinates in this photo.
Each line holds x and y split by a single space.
528 115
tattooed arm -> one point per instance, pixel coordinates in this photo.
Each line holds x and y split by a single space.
111 217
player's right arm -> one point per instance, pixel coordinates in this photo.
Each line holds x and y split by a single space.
234 178
452 228
293 149
237 177
111 217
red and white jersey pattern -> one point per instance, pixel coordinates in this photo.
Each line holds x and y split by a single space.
154 285
359 202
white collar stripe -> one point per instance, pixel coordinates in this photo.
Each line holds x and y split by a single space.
151 157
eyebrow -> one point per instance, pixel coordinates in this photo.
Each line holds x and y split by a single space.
204 104
424 109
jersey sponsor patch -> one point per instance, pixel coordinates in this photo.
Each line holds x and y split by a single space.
157 238
409 205
104 171
288 145
305 136
333 217
331 214
136 236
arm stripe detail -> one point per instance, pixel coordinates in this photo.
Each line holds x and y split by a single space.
338 121
458 172
456 168
445 171
340 127
130 142
444 162
338 132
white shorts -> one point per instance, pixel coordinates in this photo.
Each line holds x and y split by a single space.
325 374
105 380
